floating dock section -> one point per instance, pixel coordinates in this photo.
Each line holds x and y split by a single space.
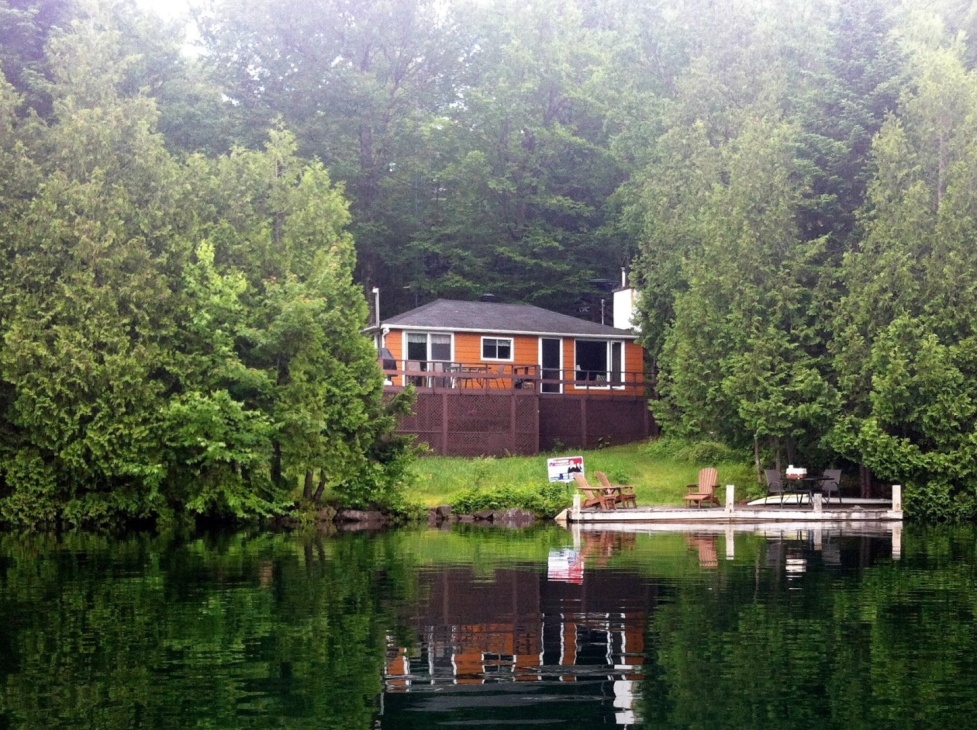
795 508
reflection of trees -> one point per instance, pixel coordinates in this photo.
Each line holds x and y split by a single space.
235 633
892 648
273 631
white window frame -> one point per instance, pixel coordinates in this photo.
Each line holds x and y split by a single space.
539 358
512 349
427 336
608 383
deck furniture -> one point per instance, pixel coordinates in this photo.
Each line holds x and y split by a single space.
472 376
775 484
807 484
831 483
705 489
624 494
442 381
415 380
594 496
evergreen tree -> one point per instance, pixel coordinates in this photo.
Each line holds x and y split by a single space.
177 336
904 334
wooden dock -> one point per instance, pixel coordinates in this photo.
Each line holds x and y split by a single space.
770 509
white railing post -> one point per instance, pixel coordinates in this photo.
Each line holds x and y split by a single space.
730 498
897 498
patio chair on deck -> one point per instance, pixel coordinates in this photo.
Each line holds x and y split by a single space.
441 382
415 380
831 483
775 484
593 496
624 495
705 490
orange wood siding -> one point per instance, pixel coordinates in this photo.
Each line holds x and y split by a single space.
394 341
468 350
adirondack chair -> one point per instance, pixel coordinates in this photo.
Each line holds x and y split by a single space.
624 494
593 496
705 490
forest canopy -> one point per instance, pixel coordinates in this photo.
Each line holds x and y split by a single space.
186 234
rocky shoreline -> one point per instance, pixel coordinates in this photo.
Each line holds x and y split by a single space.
354 519
443 515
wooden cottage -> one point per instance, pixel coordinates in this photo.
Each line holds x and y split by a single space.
556 379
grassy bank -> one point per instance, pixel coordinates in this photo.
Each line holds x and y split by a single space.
659 472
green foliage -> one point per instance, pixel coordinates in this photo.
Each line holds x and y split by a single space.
544 501
178 334
35 499
938 501
904 339
692 451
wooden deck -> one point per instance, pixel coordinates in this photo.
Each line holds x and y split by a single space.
815 533
768 510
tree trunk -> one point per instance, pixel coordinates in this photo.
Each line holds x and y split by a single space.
307 487
276 463
317 497
865 479
756 459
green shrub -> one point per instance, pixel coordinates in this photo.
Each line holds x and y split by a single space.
618 476
693 452
544 501
936 501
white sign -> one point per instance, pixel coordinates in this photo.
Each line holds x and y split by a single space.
563 468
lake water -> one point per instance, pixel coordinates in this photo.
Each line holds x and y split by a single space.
791 628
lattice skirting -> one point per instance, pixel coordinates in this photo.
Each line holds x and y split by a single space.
489 424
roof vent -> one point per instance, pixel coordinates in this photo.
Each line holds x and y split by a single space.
488 298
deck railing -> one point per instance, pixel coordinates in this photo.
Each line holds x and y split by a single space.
441 374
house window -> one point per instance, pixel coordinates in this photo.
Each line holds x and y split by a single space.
599 363
424 346
496 348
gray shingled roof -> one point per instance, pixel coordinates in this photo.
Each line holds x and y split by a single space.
494 317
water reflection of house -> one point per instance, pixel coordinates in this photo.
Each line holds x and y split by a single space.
517 626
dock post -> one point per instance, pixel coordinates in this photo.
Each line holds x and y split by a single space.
575 508
730 501
897 498
818 497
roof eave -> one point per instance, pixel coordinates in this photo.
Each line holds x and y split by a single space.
531 333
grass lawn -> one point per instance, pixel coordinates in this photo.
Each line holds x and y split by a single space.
657 480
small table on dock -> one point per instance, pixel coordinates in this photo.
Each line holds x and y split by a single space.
804 485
